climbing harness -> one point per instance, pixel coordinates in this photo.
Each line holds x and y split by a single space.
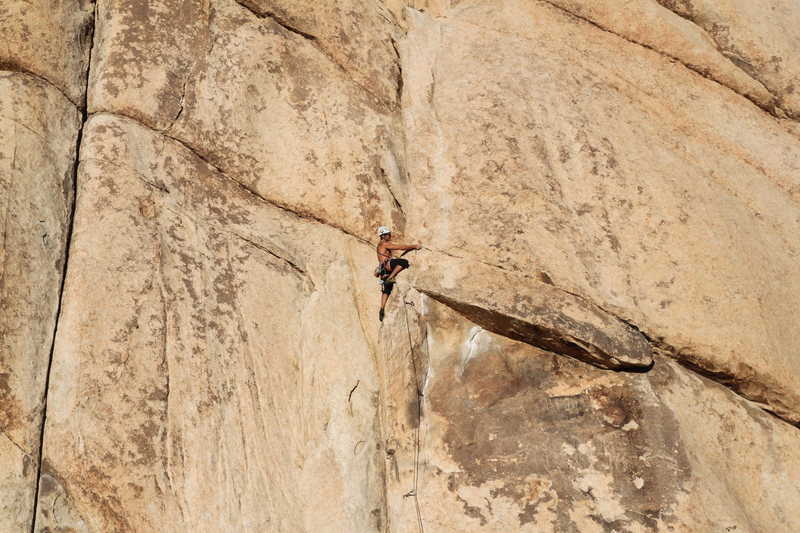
383 270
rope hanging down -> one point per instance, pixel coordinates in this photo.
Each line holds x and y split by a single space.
413 492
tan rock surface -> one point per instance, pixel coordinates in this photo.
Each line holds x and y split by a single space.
358 35
259 102
195 371
758 36
518 439
661 196
50 40
534 312
143 54
219 365
38 129
699 37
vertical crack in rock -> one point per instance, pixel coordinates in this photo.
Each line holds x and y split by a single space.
194 71
382 11
180 106
391 192
350 396
468 356
70 224
399 94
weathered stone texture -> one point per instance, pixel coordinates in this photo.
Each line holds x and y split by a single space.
618 182
51 40
518 439
38 129
173 400
758 36
143 53
534 312
358 36
718 41
661 196
263 104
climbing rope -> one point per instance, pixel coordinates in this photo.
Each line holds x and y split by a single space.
413 492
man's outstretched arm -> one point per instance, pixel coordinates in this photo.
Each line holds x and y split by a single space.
393 246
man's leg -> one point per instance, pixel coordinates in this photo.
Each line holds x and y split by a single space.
396 265
394 272
385 292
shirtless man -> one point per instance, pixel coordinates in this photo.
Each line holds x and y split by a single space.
389 266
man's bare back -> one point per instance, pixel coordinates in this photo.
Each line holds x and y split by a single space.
384 252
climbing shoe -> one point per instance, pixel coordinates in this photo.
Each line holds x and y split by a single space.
380 315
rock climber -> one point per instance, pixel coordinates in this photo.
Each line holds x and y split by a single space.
389 267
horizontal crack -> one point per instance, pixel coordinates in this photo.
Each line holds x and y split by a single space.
45 140
689 361
303 274
541 276
271 15
13 67
388 106
138 175
769 110
699 72
731 57
296 268
693 363
730 379
305 215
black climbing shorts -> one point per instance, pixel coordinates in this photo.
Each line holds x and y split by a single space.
387 288
394 262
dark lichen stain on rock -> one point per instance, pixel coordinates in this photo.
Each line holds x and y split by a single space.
510 435
472 511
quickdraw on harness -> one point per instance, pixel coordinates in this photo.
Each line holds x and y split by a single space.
383 269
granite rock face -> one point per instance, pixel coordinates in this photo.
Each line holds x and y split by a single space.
263 104
662 196
534 312
38 129
49 40
199 415
368 55
518 439
40 80
599 335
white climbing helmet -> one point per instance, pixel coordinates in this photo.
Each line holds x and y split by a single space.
383 230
